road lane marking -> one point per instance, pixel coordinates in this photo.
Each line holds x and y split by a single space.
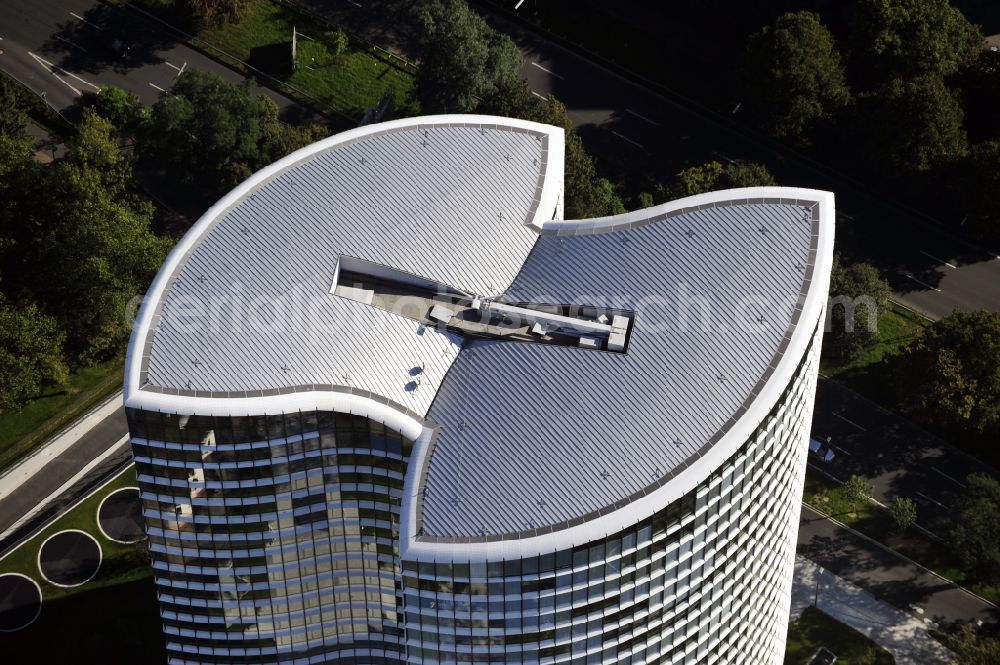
924 284
934 501
76 46
957 482
539 96
170 64
832 445
548 71
518 5
626 139
157 87
183 67
55 70
93 25
942 261
850 422
642 117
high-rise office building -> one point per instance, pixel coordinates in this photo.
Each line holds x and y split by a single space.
387 406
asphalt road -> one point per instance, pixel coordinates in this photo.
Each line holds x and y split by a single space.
64 48
634 128
886 575
59 471
898 457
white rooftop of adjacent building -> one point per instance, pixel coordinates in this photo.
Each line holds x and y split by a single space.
523 438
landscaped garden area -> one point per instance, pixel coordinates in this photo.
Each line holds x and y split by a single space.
110 618
814 629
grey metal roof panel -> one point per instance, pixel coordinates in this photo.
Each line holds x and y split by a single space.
535 435
447 202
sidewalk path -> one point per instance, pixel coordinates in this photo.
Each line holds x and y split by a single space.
29 485
904 636
892 578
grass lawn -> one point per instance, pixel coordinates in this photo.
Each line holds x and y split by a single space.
825 495
896 328
345 84
111 619
23 430
814 629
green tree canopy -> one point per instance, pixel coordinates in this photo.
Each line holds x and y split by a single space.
903 513
123 109
13 116
84 243
909 38
911 126
30 354
216 11
858 296
950 378
213 134
857 490
793 75
713 176
976 534
973 649
979 182
463 60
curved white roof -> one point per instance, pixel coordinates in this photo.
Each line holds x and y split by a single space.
515 440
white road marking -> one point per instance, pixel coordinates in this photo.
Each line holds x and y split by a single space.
626 139
183 67
157 87
76 46
924 284
518 5
642 117
356 4
850 422
170 64
924 496
93 25
548 71
957 482
53 69
929 255
836 447
539 96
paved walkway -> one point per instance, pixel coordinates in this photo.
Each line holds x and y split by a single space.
904 636
31 485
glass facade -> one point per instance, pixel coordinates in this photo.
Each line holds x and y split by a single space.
705 580
275 539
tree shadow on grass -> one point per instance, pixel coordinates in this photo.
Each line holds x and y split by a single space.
115 625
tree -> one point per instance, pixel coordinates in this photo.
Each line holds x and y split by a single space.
217 11
711 177
463 60
857 490
793 75
979 84
976 534
213 134
978 182
948 377
971 649
911 126
903 513
30 354
13 116
858 296
87 248
910 38
123 109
